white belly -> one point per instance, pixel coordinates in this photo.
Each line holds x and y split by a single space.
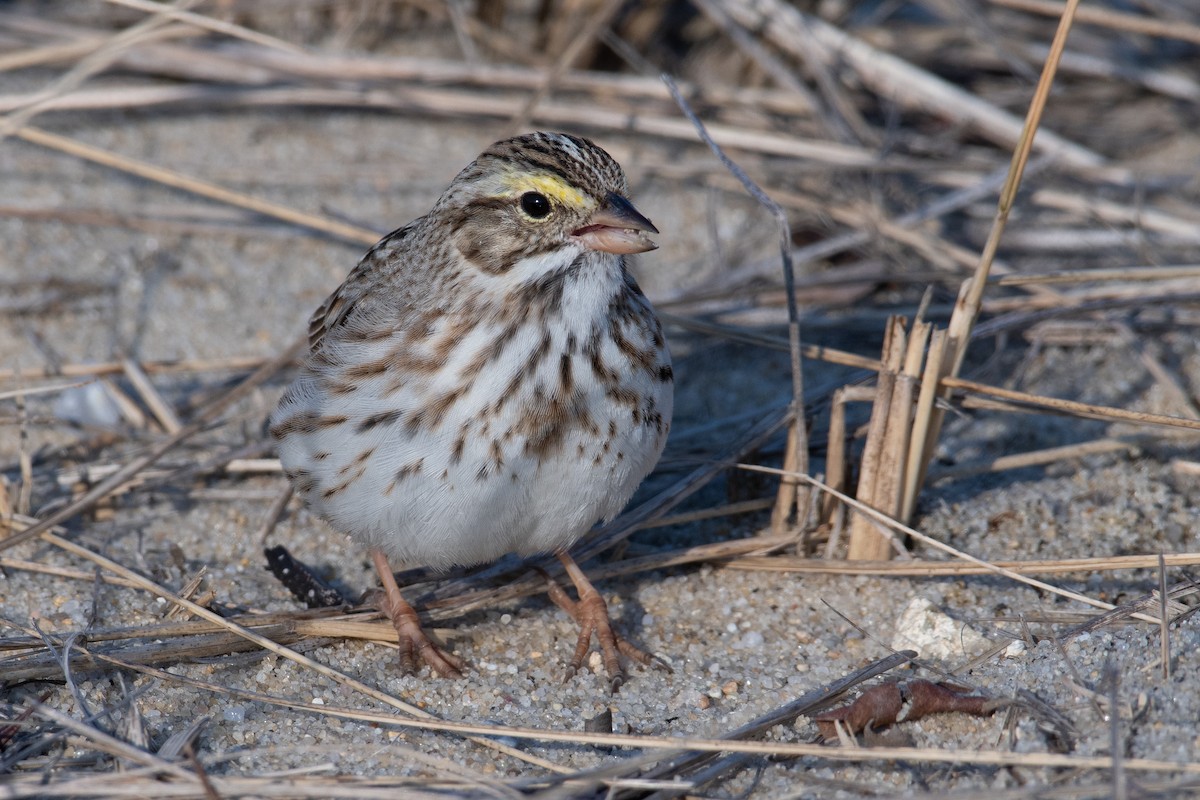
449 467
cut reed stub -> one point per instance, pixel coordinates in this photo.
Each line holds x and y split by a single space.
897 445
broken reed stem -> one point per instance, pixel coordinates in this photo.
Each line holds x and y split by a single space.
835 454
797 441
927 422
900 441
924 349
865 542
883 483
786 497
885 493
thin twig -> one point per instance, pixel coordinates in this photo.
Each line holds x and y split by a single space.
796 456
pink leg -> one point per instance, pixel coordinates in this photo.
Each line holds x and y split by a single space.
415 646
591 612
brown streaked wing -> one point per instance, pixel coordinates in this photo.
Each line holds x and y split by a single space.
337 307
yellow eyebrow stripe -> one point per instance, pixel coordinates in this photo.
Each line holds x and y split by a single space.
554 188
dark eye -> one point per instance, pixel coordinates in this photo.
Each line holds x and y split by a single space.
535 205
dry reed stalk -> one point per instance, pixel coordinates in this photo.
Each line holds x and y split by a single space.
885 493
45 55
247 66
24 499
865 542
904 417
275 621
91 474
1113 213
1165 29
55 389
459 103
1128 275
1164 629
6 507
836 464
130 411
1073 407
1066 240
921 568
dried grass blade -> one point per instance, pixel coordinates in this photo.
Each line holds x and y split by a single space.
176 180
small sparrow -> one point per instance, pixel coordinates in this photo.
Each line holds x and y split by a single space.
489 379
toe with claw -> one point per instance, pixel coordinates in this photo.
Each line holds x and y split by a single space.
591 613
416 647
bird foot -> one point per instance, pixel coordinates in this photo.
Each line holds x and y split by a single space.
591 613
416 647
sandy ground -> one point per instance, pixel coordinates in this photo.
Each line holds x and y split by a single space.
188 279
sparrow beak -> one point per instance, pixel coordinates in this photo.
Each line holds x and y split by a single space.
617 227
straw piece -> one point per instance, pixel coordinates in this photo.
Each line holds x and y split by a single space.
159 407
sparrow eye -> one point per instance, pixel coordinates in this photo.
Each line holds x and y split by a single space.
535 205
